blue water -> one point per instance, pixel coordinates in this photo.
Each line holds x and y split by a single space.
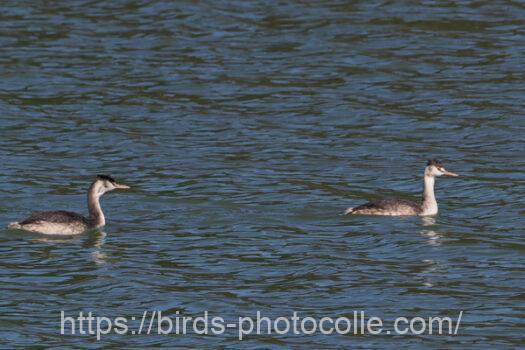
244 130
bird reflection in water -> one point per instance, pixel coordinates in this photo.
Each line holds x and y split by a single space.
96 240
433 237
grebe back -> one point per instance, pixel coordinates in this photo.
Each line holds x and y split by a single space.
69 223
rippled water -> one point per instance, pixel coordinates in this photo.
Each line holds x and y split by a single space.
244 129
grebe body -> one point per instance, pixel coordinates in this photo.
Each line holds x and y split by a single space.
69 223
401 207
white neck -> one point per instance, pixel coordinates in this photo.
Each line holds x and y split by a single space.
429 205
95 211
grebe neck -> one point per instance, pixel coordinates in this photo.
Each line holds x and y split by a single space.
96 216
429 205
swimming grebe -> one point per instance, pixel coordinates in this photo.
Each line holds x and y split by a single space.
396 207
66 222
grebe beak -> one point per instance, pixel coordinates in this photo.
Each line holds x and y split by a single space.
449 173
121 186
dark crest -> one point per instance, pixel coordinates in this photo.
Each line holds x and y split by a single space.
105 177
434 162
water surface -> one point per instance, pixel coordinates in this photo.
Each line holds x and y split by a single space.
244 129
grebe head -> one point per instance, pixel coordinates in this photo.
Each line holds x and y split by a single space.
435 168
105 183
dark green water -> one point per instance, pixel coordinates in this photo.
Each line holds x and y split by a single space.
245 128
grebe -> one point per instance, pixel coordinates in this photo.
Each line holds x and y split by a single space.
397 207
66 222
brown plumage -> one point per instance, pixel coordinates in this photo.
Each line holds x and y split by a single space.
388 206
60 216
